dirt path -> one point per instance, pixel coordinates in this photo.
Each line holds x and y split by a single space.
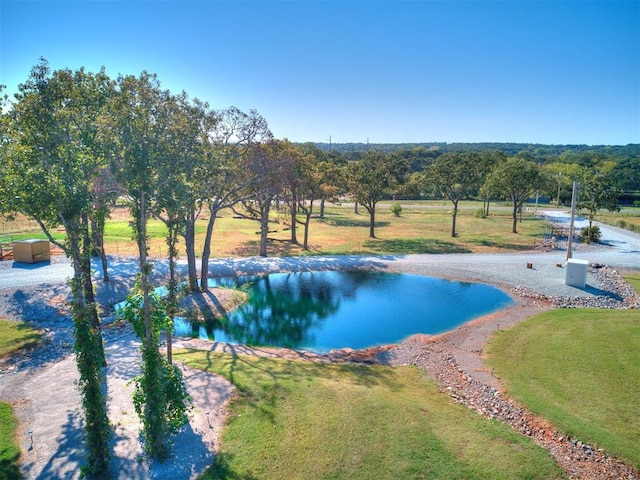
48 405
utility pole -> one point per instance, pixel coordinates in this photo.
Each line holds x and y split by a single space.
559 185
574 194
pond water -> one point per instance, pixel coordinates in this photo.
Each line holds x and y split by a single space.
321 311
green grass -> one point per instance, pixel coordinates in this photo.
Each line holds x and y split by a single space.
627 218
9 449
423 227
15 336
633 279
580 369
300 420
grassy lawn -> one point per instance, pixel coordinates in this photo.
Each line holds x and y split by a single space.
633 279
423 227
580 369
13 336
9 449
303 420
627 218
16 335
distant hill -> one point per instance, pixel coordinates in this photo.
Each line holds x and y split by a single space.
630 150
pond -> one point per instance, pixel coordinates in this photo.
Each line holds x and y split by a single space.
322 311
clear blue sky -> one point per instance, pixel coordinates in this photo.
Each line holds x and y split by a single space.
555 72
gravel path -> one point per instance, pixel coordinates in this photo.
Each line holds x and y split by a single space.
41 384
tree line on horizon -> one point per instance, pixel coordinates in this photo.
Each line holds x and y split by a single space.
75 142
626 157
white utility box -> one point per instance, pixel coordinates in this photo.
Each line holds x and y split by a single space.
576 274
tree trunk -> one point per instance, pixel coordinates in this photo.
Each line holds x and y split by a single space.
97 235
294 215
455 215
87 286
173 284
372 221
322 201
206 249
85 265
144 270
264 230
514 218
153 407
190 249
89 352
305 244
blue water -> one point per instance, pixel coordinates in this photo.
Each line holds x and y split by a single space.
321 311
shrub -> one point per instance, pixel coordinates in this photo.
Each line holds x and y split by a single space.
480 213
591 234
622 224
396 209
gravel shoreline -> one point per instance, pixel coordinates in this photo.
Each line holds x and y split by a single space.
453 359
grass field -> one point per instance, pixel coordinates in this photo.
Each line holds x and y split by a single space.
13 336
423 227
580 369
9 449
633 279
627 218
300 420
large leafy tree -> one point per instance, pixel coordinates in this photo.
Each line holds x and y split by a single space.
223 179
373 178
455 176
178 197
312 185
51 158
303 185
266 163
516 179
327 172
597 191
561 177
487 161
140 123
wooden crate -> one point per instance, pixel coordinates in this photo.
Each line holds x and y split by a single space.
31 251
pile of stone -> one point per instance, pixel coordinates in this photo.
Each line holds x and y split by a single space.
613 292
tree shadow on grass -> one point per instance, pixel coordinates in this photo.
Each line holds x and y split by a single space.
409 246
289 364
275 247
9 464
263 383
222 469
501 245
349 222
